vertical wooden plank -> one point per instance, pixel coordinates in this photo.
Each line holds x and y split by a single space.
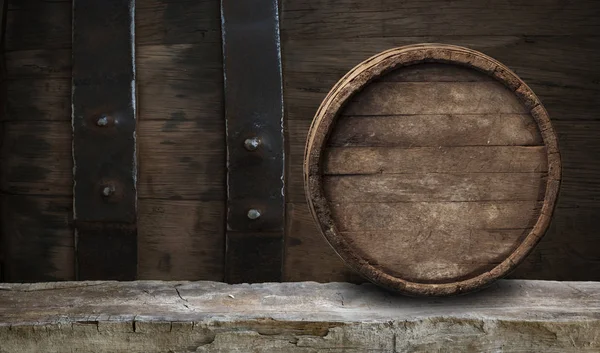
104 130
254 116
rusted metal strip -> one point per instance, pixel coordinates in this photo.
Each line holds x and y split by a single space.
104 128
3 10
255 147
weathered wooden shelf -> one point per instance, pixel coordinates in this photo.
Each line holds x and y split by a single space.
510 316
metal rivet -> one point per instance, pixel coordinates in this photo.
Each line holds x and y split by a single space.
102 121
253 214
252 144
108 190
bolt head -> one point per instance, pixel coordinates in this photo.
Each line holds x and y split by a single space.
108 190
102 121
252 144
253 213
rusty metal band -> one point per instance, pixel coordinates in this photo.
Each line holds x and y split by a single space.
3 96
104 147
255 145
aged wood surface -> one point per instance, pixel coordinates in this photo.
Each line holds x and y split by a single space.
437 130
480 159
511 316
434 187
379 19
558 66
181 134
182 150
434 98
421 225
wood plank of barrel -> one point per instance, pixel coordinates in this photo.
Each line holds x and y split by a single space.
432 169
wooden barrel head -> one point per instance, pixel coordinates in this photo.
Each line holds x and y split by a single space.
432 169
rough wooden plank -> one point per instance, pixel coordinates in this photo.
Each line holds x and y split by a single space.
434 255
440 215
38 100
181 139
37 25
436 130
378 19
36 159
180 159
393 98
178 22
512 316
559 69
39 63
435 187
308 257
181 239
181 82
374 160
38 238
570 249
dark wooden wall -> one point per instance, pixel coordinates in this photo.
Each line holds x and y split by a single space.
553 45
181 141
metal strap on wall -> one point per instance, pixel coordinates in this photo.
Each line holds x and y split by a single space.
255 148
104 128
3 10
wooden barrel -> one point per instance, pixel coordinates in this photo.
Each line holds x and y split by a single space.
432 169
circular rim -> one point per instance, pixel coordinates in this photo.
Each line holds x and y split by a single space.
354 81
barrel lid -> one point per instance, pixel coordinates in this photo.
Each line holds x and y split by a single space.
432 169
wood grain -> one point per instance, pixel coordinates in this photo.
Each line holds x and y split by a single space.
446 254
38 235
434 72
38 24
427 216
182 82
179 159
181 139
39 63
308 256
39 99
181 239
380 19
512 316
435 187
396 98
178 22
483 159
36 159
436 130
